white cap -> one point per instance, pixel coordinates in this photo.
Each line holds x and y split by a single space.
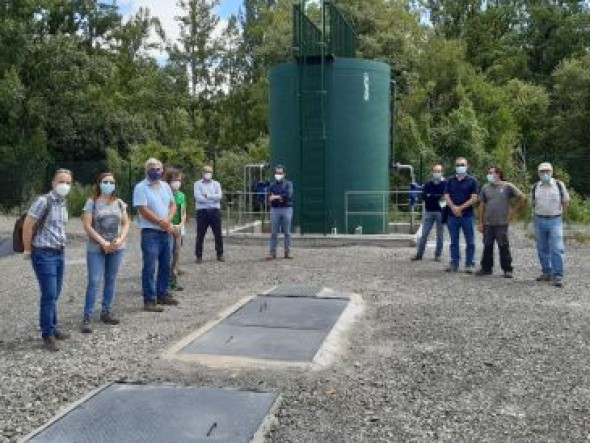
545 166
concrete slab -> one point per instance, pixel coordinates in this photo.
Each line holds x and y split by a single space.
139 413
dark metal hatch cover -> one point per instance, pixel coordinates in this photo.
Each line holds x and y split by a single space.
271 327
143 413
295 290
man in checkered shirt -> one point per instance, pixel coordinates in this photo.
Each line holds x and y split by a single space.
45 247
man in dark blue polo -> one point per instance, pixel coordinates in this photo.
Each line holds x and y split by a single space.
461 195
281 212
432 194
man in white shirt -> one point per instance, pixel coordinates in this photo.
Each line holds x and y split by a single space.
208 196
549 200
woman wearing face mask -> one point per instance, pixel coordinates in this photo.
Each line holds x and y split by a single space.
174 179
44 238
107 225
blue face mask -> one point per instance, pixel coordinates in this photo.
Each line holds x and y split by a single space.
461 169
107 188
437 176
154 175
545 178
490 178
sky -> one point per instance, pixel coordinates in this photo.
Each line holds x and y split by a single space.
166 10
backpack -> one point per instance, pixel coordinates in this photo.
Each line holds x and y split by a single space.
18 244
560 186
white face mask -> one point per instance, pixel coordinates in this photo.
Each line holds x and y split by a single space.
175 185
207 175
63 189
279 177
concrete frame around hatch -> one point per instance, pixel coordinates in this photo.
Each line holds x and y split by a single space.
331 347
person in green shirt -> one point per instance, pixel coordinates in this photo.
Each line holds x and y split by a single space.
178 221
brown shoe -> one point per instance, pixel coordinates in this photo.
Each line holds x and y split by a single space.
59 335
85 327
107 317
288 255
167 300
271 256
50 344
151 306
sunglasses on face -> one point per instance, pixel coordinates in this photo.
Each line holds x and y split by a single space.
460 164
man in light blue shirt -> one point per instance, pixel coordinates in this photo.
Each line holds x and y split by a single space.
155 203
208 196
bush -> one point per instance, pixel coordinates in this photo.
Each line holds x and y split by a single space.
77 199
578 210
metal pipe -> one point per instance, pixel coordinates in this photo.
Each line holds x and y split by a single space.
392 123
397 167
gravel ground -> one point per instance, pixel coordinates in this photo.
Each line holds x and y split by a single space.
434 357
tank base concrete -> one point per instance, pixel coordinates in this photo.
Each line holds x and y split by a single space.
143 413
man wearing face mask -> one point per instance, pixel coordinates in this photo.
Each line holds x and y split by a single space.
175 180
156 206
281 212
44 238
494 214
432 195
549 200
460 195
208 196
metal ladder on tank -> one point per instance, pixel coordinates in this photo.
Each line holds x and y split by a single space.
313 139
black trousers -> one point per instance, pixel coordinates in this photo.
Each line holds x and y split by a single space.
498 234
205 218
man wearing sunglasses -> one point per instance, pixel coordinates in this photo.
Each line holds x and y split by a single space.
155 203
460 195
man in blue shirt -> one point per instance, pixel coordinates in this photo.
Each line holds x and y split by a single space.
432 195
460 195
281 212
155 203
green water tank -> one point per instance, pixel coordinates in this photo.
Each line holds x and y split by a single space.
329 126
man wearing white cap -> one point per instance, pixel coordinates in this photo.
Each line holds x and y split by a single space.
549 198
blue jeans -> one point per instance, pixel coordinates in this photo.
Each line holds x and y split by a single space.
49 269
550 247
455 225
101 265
428 220
280 218
155 248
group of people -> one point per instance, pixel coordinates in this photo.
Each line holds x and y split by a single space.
453 200
161 207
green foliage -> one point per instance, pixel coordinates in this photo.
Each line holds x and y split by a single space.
230 165
578 209
77 199
502 82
